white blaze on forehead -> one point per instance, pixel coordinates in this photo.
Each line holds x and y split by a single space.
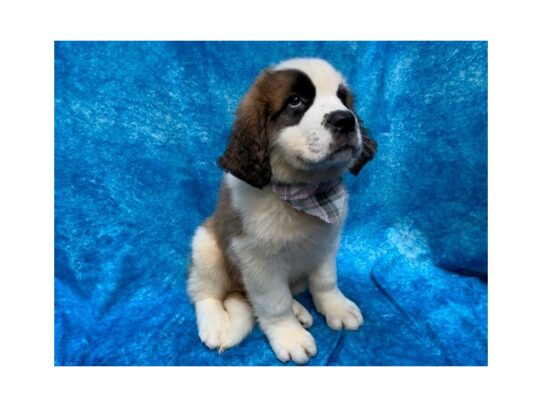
325 78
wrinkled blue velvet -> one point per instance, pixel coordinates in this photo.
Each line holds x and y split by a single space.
138 129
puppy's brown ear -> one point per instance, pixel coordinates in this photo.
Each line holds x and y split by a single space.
247 153
369 150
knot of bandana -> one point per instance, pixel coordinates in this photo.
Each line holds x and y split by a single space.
324 200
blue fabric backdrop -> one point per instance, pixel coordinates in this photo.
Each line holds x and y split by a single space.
138 129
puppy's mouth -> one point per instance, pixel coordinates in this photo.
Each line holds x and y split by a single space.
338 154
340 150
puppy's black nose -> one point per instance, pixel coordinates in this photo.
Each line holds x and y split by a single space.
342 120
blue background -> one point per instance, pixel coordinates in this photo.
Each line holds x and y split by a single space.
138 129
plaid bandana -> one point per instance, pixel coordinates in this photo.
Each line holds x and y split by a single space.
325 200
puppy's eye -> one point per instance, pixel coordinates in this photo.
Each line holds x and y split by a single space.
294 101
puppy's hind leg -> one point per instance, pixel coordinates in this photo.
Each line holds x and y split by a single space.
223 319
212 322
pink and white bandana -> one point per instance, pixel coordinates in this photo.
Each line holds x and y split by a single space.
324 200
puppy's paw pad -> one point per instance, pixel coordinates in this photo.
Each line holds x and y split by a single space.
302 315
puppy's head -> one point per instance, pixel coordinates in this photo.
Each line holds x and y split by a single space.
296 124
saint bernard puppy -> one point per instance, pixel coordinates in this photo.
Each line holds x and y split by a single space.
280 211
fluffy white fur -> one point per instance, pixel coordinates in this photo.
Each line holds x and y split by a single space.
278 246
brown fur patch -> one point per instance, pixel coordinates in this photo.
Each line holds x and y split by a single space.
247 153
226 224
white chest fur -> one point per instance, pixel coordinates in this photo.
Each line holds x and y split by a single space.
273 229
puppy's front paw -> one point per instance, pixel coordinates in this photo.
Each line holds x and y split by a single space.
339 311
345 315
290 341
